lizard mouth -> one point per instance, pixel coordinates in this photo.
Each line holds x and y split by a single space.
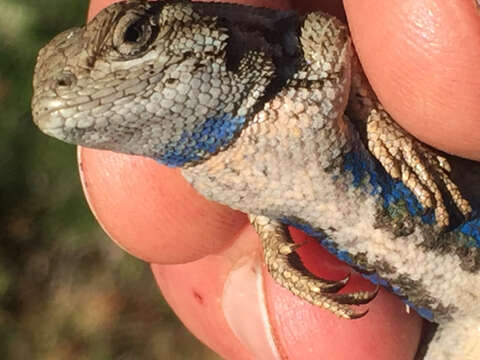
58 117
49 112
46 113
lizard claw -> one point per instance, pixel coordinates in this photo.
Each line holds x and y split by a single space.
287 270
358 315
357 298
335 285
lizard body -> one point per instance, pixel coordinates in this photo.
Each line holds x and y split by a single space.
269 112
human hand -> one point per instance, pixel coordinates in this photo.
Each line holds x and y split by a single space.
223 295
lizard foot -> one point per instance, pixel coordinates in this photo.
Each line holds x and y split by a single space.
285 267
419 167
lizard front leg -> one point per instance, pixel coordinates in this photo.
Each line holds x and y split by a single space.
278 251
422 169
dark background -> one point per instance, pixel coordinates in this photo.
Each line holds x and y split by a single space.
66 291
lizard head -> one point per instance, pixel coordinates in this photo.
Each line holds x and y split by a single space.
172 80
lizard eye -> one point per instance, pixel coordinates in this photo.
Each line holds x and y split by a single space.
133 35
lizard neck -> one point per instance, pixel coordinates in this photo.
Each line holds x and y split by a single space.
261 163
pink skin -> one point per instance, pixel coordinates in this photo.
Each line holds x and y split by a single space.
431 75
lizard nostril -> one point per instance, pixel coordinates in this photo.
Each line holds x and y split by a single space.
65 79
63 82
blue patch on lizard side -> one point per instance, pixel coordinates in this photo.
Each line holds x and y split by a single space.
471 229
330 246
362 166
206 139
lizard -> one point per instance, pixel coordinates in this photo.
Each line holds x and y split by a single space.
270 113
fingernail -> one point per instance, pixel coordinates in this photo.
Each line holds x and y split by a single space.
243 304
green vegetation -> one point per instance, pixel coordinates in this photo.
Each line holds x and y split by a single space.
66 291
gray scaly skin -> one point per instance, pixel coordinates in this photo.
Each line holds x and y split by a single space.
269 112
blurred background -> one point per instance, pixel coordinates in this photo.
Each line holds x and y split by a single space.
66 291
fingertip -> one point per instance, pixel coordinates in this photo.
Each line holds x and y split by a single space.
304 331
97 5
217 299
151 211
231 303
421 58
